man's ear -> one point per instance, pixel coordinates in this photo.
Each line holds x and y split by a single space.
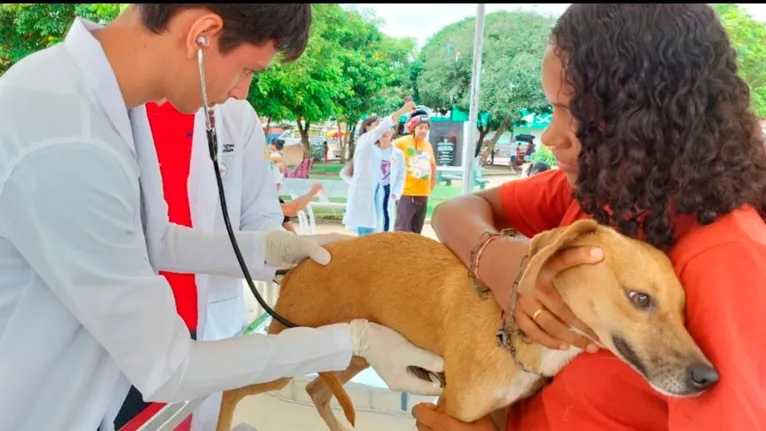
545 244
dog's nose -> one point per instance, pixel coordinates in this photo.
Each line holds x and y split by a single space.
702 376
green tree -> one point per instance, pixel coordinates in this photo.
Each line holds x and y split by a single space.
513 47
29 27
749 39
349 69
375 71
305 91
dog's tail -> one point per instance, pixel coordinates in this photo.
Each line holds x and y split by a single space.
341 395
336 387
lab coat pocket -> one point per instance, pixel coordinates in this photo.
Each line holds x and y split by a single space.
225 308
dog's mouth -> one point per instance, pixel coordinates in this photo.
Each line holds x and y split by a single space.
671 373
629 355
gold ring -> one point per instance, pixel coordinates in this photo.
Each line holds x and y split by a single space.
537 314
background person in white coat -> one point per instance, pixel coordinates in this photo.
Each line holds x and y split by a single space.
84 228
364 206
219 302
392 166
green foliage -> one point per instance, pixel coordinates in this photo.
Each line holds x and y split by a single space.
543 154
749 39
29 27
304 90
513 47
349 69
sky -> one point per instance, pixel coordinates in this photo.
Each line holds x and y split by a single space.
421 21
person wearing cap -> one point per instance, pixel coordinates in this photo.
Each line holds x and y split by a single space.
420 176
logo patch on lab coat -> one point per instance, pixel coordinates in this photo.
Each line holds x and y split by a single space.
228 148
224 170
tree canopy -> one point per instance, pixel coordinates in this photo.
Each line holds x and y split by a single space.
749 39
29 27
513 47
351 69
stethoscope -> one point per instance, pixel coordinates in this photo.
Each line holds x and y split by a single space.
212 143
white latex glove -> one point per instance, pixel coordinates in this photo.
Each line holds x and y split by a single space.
390 354
286 248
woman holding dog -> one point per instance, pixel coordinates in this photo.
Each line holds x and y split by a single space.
654 135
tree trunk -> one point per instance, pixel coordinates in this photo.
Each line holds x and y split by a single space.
268 130
493 141
482 134
303 128
351 141
341 143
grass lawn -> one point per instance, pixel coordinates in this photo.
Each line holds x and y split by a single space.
440 194
330 170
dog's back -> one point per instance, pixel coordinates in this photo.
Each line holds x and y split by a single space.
401 280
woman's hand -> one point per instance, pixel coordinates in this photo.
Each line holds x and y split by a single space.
404 110
549 327
428 419
544 316
315 188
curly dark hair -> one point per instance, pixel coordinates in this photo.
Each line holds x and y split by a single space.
664 120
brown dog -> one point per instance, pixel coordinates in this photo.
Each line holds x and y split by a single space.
632 300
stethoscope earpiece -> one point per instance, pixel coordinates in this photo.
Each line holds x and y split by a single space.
201 41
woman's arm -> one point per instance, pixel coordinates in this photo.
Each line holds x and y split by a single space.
459 224
291 208
725 298
385 125
290 227
532 206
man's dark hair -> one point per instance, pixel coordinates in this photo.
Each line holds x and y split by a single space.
664 121
286 24
279 143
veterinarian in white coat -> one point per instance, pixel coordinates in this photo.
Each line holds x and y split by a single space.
84 232
364 205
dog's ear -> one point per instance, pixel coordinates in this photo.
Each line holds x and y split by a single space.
544 245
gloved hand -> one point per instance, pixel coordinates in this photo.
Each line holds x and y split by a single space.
390 354
286 248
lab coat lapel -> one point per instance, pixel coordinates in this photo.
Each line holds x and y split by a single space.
203 193
154 210
203 202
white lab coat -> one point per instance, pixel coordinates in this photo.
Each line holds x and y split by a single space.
251 196
82 305
367 176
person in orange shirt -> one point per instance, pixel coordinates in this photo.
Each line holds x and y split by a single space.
654 134
420 176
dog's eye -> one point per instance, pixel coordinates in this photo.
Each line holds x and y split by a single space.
640 300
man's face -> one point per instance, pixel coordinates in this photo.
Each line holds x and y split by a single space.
421 131
226 75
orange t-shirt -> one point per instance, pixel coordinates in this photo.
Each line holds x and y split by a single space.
723 269
419 159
